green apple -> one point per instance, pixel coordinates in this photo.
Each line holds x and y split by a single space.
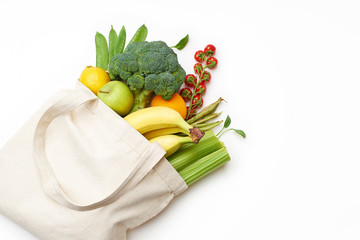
118 96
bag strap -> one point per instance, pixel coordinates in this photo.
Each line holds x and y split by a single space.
49 181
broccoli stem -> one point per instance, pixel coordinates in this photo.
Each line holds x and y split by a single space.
141 99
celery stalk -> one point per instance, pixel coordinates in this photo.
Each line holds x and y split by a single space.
191 153
204 166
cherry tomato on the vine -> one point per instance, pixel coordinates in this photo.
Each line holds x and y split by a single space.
198 67
186 93
211 62
201 88
209 50
206 77
199 56
190 80
197 101
191 113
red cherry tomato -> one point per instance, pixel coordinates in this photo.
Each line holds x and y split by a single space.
211 62
198 67
206 77
190 80
191 113
186 93
201 88
209 50
199 56
197 101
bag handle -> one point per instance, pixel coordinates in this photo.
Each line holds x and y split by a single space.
49 181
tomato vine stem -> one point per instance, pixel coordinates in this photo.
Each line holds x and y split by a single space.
201 74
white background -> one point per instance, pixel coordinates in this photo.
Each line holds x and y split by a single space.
289 71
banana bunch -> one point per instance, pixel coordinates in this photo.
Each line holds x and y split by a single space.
160 124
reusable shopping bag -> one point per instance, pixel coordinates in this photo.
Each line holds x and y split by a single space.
78 171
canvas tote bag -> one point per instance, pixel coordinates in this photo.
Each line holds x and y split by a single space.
78 171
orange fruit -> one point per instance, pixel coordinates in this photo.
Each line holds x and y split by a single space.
94 78
176 102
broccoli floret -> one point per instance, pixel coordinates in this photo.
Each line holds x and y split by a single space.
136 81
152 62
164 84
123 65
151 67
179 75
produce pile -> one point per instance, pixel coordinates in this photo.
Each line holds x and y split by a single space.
145 84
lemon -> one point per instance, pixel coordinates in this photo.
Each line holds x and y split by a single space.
94 78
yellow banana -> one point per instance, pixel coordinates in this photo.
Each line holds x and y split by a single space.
163 131
153 118
171 143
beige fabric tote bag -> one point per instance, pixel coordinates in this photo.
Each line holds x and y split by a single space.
78 171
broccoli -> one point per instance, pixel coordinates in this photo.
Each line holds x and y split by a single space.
147 68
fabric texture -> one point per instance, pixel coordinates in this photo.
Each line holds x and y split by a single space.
78 171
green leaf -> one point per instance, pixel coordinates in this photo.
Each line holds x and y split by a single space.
241 132
182 43
227 122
